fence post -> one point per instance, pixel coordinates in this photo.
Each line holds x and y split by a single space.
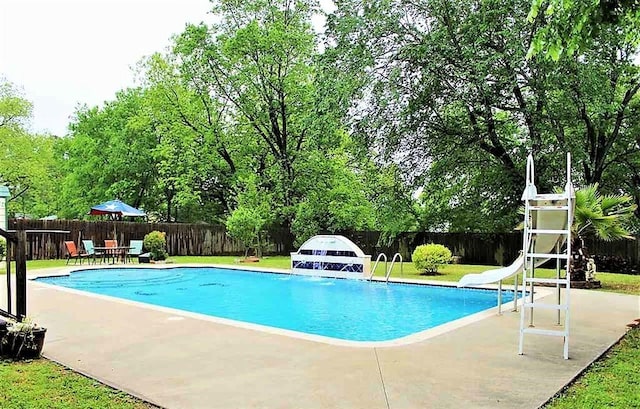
21 274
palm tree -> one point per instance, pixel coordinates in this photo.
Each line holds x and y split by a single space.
604 216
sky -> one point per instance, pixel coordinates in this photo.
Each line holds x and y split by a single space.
66 53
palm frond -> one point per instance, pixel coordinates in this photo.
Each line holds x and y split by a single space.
602 214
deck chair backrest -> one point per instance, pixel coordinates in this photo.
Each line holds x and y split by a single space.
88 246
136 247
71 248
111 243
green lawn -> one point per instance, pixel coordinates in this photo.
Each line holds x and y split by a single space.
45 384
611 382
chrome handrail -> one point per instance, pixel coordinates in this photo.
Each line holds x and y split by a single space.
393 260
373 270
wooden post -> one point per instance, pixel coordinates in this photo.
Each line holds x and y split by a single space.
9 292
21 274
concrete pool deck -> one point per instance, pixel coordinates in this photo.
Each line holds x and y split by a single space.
180 361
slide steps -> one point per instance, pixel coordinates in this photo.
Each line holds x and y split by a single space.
547 228
538 224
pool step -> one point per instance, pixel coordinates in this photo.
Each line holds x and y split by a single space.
543 306
561 281
552 332
550 255
549 231
549 207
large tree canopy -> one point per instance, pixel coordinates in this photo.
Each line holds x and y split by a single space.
570 26
410 115
452 96
236 117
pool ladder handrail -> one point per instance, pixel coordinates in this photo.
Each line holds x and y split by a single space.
393 260
373 270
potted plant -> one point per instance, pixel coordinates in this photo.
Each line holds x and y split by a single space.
21 339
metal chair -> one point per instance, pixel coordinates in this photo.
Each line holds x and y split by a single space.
72 252
91 252
135 249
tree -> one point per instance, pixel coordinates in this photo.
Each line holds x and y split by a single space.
258 63
108 154
569 27
14 109
28 164
247 226
449 94
602 215
185 107
336 198
251 219
135 148
594 107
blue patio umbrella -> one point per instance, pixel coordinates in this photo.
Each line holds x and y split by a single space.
116 209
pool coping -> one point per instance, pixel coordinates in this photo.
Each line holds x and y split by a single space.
405 340
179 362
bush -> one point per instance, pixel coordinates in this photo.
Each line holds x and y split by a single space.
616 264
3 248
247 225
428 257
155 242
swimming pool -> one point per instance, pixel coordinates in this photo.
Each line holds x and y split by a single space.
344 309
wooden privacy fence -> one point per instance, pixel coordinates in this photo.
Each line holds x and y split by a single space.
473 248
182 239
207 240
483 248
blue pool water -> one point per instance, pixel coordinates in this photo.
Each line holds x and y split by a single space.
345 309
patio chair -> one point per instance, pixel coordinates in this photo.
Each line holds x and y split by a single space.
72 252
111 243
111 253
91 252
135 249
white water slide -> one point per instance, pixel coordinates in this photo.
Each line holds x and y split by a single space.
551 229
547 226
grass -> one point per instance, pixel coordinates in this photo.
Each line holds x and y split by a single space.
45 384
611 382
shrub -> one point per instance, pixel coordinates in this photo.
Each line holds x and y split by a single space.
155 242
3 247
248 226
428 257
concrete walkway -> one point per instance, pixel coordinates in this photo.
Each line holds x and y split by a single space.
179 361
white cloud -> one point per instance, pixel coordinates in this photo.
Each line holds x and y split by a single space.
69 52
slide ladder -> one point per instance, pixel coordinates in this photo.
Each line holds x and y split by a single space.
543 214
